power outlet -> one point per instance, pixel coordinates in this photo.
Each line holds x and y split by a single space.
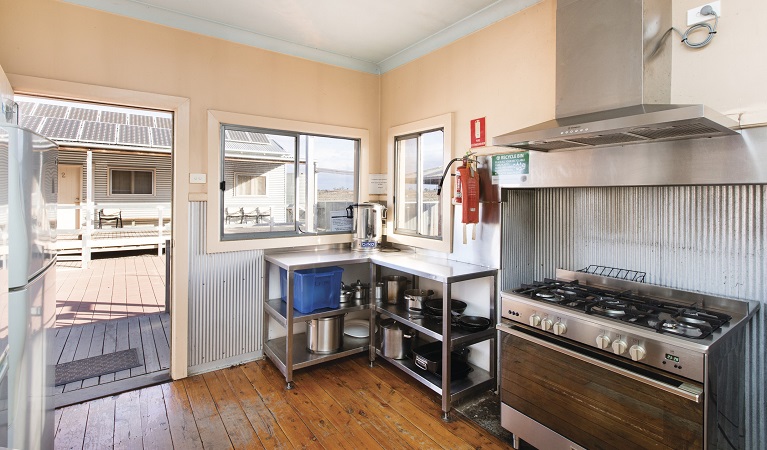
197 178
694 16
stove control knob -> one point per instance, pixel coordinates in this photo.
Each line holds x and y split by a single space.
535 320
619 347
560 328
637 352
546 324
603 341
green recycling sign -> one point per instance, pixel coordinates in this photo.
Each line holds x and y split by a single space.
511 168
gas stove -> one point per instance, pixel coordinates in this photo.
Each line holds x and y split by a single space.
669 329
663 316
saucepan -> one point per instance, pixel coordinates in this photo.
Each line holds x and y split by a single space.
416 297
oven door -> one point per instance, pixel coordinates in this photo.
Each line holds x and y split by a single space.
592 398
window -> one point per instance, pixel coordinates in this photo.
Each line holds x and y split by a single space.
310 178
246 184
418 154
131 181
419 166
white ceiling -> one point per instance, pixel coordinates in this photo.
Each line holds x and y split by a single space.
367 35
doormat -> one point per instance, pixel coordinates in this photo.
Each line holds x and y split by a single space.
95 366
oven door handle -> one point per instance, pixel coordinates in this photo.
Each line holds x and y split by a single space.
686 391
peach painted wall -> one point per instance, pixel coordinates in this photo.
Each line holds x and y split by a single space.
504 72
56 40
729 74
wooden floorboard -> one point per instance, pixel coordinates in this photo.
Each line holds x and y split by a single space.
343 404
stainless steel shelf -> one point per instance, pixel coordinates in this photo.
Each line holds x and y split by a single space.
300 260
478 379
278 310
276 350
432 328
424 266
430 267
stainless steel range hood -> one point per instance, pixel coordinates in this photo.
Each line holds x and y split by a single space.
610 89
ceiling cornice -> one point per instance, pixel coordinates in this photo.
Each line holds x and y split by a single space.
141 11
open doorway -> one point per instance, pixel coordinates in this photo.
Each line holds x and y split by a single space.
114 219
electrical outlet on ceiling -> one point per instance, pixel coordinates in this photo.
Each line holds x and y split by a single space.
694 16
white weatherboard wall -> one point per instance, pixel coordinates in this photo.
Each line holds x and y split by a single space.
225 301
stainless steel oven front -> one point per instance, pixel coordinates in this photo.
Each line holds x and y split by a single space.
560 394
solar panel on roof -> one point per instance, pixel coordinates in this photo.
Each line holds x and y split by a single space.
164 122
65 129
133 135
83 114
26 108
113 117
141 120
57 111
238 136
259 138
31 122
254 150
161 137
98 132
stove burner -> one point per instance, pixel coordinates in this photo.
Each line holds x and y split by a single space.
548 296
691 321
608 311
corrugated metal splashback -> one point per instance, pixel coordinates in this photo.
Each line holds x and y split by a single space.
700 238
225 301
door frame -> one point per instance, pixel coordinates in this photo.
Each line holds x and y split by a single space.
180 198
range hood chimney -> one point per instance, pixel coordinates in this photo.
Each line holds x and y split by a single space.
610 90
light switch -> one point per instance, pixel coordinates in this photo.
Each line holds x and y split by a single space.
197 178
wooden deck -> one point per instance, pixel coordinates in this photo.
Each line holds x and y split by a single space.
114 305
148 333
343 404
113 288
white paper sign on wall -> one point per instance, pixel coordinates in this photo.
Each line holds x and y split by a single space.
378 183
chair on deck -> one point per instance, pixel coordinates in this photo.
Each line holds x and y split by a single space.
264 214
107 214
249 213
233 213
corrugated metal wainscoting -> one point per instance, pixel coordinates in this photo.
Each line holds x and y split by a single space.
700 238
225 301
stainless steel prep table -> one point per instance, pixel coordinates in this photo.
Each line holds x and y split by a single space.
289 353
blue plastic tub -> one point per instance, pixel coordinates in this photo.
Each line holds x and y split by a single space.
313 288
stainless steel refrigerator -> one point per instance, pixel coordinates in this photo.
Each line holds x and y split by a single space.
29 228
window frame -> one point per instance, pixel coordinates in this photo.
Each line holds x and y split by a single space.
110 178
215 243
444 243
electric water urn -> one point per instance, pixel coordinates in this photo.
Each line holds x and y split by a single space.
367 219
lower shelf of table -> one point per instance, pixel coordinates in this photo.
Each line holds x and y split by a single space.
276 350
477 380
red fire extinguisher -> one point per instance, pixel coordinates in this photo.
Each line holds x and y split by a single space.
466 191
467 178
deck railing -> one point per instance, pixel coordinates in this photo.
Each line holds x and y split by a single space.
140 229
